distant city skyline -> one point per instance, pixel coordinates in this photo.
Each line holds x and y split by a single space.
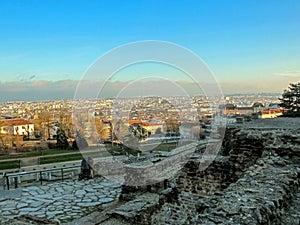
65 90
46 47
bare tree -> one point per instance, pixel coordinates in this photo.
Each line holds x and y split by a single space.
44 121
103 130
172 125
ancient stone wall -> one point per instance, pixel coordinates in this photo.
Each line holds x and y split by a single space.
259 197
251 181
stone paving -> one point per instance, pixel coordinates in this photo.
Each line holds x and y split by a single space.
60 201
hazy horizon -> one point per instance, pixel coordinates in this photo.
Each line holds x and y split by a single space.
66 89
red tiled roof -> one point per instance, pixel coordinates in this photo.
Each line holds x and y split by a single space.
149 124
16 122
245 108
146 124
131 122
228 111
271 111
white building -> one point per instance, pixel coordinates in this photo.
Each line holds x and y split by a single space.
17 127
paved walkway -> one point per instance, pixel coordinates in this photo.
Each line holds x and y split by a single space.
61 201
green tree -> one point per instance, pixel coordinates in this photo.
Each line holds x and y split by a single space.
62 140
290 100
138 131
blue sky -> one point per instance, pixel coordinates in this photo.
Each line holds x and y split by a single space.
243 42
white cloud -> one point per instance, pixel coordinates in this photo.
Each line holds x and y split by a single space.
289 74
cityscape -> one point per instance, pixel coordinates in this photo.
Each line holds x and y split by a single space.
41 120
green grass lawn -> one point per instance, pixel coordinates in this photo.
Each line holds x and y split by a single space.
63 158
38 153
46 158
14 164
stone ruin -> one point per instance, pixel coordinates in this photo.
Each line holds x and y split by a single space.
253 180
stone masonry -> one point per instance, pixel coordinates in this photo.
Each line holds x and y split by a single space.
254 180
59 202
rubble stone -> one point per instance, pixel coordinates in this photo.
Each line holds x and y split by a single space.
252 181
